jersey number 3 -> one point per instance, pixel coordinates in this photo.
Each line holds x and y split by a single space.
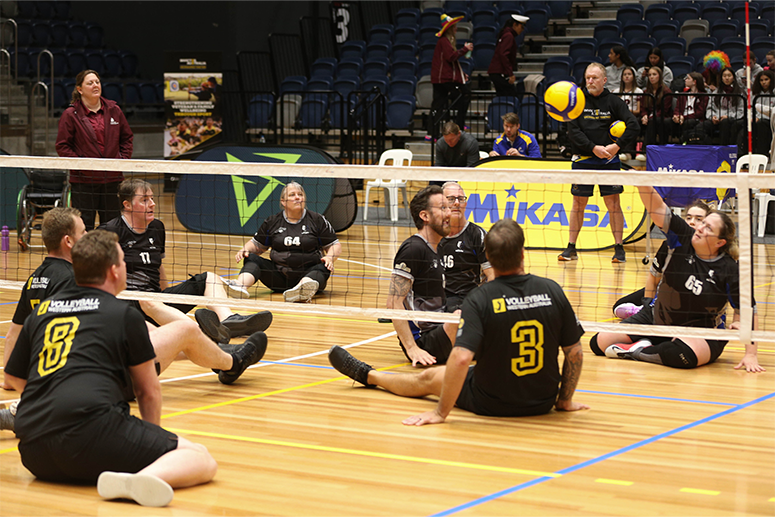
529 338
57 344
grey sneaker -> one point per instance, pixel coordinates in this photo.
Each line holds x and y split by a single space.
346 364
619 255
211 326
7 420
251 352
247 324
302 292
568 254
235 289
626 350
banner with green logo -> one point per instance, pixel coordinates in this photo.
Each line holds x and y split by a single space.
237 205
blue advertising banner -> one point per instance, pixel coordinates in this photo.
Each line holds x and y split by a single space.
691 158
237 205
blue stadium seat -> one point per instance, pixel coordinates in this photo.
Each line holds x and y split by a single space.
497 108
59 34
428 36
556 66
431 17
378 49
76 61
129 64
381 32
112 62
424 68
349 67
293 83
62 10
260 110
404 51
722 29
737 12
345 85
148 93
25 37
113 91
60 63
665 30
45 10
629 13
320 84
96 34
559 8
732 47
713 11
539 20
686 11
605 47
401 86
607 30
313 111
485 34
61 95
407 17
338 110
582 47
406 35
681 65
41 34
761 29
323 67
376 67
482 55
637 30
132 93
672 47
95 61
400 112
760 47
639 50
528 120
486 16
78 35
403 68
352 49
656 13
377 81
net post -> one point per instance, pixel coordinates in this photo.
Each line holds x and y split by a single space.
745 259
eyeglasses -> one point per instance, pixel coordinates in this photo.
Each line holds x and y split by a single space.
452 199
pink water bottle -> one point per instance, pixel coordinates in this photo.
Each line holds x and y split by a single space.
5 245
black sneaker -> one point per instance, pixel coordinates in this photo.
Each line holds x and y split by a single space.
568 254
618 254
345 363
211 326
247 324
251 352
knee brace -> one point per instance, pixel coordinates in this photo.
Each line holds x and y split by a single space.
594 346
676 354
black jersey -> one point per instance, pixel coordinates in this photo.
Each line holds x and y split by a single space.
74 352
515 326
694 292
143 253
52 276
418 262
295 246
463 258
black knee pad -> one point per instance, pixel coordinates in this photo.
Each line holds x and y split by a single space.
677 354
594 346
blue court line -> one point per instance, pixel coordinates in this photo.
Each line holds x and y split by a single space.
283 363
593 461
671 399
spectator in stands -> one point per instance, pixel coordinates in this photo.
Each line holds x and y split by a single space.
689 111
655 59
764 106
456 148
756 69
727 109
714 62
619 58
655 113
504 60
513 141
94 127
770 56
447 75
628 88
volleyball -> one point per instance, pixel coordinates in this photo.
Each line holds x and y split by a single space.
616 130
564 101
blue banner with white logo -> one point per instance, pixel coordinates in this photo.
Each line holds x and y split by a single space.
688 159
237 205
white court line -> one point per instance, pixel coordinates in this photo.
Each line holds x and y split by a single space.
366 264
259 365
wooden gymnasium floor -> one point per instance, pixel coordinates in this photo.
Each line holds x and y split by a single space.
293 437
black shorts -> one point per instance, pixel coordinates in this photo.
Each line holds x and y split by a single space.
115 441
194 286
646 317
434 341
588 190
471 400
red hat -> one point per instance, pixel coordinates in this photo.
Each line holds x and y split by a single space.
447 22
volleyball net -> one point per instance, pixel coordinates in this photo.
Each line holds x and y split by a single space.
218 206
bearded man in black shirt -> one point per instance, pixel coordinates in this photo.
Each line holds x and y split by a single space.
514 326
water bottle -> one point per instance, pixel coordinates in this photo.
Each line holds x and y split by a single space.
5 245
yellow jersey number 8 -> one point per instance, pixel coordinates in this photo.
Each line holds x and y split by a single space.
529 338
58 342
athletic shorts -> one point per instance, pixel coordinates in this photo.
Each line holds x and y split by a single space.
436 342
115 441
194 286
588 190
644 317
474 401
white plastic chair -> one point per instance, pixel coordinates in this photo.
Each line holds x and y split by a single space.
762 199
400 158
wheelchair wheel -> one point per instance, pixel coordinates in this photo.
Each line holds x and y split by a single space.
23 230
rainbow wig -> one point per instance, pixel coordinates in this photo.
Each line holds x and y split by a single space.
715 61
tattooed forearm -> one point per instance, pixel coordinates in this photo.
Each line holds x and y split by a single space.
571 371
399 286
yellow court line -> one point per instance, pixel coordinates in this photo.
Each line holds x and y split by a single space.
736 348
370 454
699 491
262 395
3 451
772 500
614 482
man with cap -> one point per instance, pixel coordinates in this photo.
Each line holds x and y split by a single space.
447 75
504 60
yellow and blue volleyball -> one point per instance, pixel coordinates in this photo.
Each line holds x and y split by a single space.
564 101
616 130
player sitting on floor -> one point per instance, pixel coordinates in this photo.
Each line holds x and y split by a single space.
514 326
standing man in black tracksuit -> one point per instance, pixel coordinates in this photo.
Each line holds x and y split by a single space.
593 149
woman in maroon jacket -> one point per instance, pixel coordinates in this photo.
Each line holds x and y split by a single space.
655 113
94 127
504 60
690 109
447 74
